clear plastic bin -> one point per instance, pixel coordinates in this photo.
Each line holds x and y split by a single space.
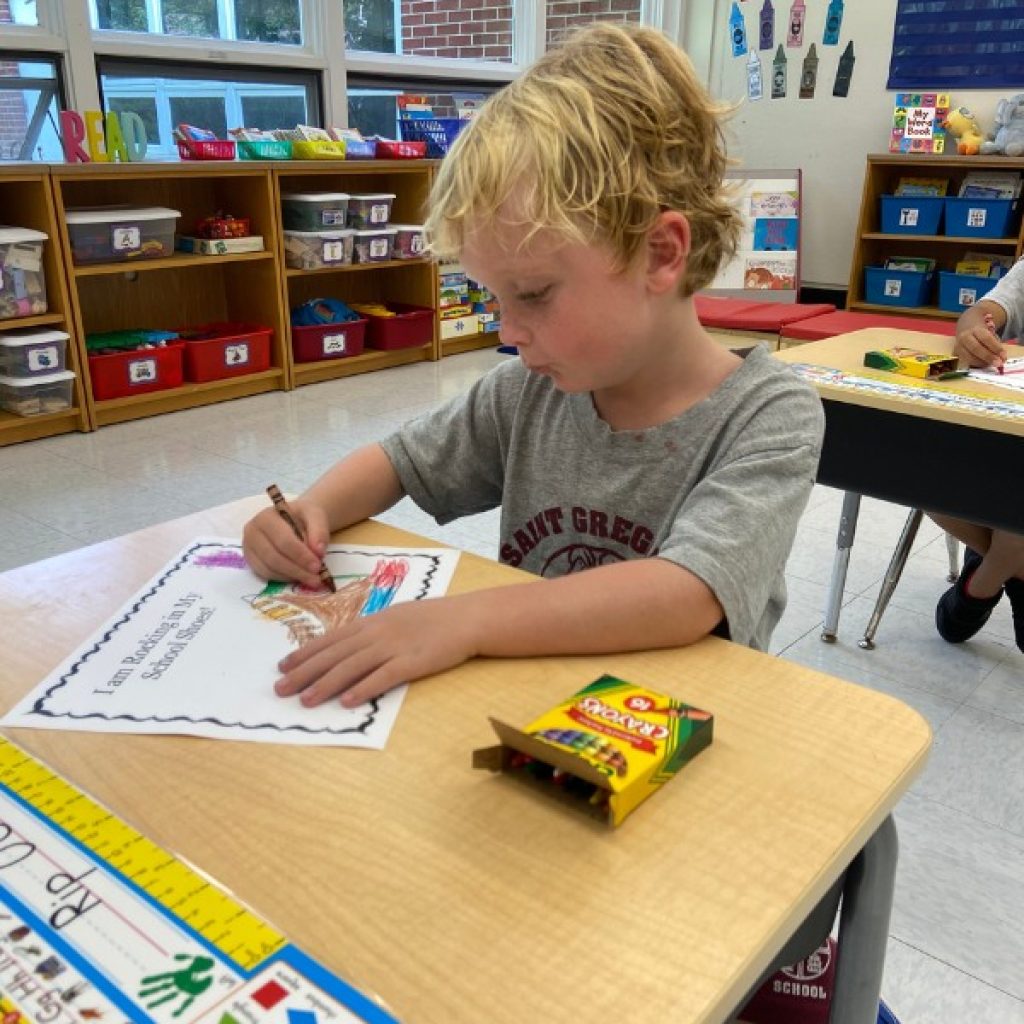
313 250
410 242
32 352
22 281
119 233
314 211
373 245
35 396
369 209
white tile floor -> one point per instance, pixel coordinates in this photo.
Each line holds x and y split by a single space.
956 951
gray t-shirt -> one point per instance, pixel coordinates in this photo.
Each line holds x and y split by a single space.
718 489
1009 293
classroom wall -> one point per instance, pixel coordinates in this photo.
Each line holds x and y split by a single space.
828 138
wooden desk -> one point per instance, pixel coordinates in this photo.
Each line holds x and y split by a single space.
460 896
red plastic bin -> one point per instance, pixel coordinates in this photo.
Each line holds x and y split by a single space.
206 149
123 374
411 327
328 341
218 350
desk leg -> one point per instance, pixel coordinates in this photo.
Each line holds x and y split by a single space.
864 929
892 576
834 601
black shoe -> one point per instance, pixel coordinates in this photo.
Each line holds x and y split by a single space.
1015 592
958 616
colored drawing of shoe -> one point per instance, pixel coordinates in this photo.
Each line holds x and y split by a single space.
958 616
1015 592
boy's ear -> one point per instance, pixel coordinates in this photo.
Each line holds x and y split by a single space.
668 248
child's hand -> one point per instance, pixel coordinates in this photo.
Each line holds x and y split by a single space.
378 652
979 347
275 553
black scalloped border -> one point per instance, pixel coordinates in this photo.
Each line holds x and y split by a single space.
65 679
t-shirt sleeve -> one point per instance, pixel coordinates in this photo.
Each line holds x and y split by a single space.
451 461
735 529
1009 293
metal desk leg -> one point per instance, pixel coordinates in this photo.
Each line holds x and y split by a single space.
953 550
834 601
892 576
864 929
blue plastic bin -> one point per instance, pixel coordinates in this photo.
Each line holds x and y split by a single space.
437 132
897 287
912 215
979 218
958 291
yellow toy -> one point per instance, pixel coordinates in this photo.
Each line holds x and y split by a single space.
961 124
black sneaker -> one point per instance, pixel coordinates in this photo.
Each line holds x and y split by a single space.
958 616
1015 592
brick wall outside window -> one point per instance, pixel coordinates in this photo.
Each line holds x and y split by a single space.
13 115
566 15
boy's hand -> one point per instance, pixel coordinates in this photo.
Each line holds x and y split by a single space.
275 553
366 658
979 347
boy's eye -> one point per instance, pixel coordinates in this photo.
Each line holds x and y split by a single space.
537 295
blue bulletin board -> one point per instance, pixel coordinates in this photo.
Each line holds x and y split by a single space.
767 262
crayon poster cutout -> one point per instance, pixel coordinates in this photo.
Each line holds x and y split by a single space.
136 936
737 31
195 651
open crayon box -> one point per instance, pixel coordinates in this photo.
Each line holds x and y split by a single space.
605 749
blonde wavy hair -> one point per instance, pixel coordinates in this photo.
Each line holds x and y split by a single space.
594 141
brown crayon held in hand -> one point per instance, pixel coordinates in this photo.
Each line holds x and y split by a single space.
282 509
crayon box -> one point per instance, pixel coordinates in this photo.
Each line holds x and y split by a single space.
911 362
609 746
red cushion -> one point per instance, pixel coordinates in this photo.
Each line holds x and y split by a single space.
841 322
711 309
745 315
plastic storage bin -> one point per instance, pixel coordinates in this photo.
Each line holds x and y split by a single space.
313 211
411 327
122 374
34 396
373 245
328 341
264 149
22 281
979 218
113 233
912 215
390 149
360 149
32 353
437 132
958 291
318 149
206 149
313 250
897 287
370 210
410 242
219 350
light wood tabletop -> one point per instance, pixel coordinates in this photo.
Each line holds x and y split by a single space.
456 895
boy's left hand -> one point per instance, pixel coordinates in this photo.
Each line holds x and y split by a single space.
366 658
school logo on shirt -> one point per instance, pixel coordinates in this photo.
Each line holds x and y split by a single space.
574 524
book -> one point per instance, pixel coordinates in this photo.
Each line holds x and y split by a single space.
991 185
917 123
910 186
984 264
919 264
218 246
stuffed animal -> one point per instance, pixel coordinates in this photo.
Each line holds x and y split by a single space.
1008 136
961 124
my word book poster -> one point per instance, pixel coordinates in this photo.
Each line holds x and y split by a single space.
196 650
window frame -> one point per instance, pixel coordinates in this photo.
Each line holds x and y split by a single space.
58 80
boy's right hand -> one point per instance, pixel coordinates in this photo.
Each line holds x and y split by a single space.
978 346
275 553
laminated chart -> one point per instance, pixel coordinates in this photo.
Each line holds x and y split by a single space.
97 923
196 650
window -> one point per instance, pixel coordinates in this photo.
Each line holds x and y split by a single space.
563 16
373 107
165 95
431 28
30 97
258 21
18 12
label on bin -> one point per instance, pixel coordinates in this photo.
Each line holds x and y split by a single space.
968 296
379 213
416 245
41 359
379 248
976 217
333 217
125 238
236 354
24 257
334 344
893 287
908 216
334 251
142 371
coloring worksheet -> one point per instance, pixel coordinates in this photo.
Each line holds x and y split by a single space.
195 651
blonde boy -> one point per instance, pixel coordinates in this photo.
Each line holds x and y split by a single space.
588 196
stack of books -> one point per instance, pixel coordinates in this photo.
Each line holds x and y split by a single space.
910 186
991 185
983 264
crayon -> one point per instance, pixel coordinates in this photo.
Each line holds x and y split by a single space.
282 509
991 325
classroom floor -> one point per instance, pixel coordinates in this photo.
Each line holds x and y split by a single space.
956 951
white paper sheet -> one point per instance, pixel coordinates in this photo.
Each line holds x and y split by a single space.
1012 376
195 651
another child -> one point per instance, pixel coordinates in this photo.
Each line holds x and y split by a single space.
588 196
994 560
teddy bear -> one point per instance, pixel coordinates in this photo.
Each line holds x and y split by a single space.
1008 136
961 124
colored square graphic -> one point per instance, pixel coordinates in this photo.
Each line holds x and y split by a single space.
270 995
301 1017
